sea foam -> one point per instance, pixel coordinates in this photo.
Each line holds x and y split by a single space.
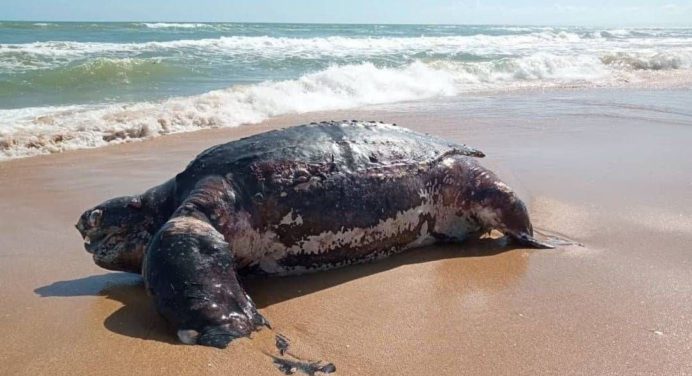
38 55
40 130
288 75
168 25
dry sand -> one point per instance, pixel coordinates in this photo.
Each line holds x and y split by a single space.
622 304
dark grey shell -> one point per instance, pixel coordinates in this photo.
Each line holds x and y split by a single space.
348 145
332 175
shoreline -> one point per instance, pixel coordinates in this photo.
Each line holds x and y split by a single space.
666 81
615 176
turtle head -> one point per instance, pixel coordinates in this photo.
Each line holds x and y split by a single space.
500 208
517 225
117 232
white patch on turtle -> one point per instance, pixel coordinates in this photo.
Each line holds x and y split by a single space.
248 244
188 336
503 187
191 225
488 215
424 238
449 162
265 248
289 220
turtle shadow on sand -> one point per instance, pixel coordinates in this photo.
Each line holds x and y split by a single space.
269 291
138 318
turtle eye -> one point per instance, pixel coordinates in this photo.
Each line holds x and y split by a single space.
95 217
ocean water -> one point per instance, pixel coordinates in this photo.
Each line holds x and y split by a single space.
67 86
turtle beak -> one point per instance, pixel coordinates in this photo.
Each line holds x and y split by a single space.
83 232
80 228
81 223
84 229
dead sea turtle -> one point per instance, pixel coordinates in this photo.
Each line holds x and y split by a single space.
295 200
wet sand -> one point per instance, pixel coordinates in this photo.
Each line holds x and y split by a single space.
613 174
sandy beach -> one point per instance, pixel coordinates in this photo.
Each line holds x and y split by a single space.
610 169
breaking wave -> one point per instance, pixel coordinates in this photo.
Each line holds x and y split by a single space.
95 78
39 55
91 73
649 60
167 25
33 131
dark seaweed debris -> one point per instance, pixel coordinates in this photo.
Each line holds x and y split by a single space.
289 367
282 344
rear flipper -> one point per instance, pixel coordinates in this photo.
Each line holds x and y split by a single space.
527 240
190 272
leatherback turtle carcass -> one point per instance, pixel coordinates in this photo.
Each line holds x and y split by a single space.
295 200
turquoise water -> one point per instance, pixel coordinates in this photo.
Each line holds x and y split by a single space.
72 85
67 63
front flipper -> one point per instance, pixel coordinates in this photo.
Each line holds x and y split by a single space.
189 270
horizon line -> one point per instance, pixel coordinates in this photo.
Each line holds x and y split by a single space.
673 25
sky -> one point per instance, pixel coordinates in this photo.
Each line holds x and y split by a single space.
536 12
